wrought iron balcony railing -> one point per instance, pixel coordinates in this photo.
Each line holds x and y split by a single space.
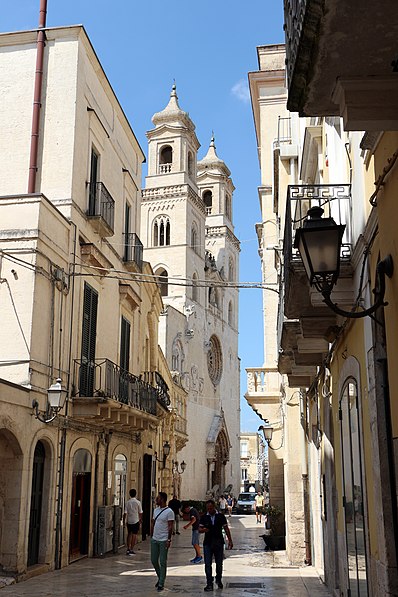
102 378
101 203
154 379
133 249
335 200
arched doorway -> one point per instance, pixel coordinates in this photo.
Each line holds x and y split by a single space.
10 500
221 459
80 507
36 504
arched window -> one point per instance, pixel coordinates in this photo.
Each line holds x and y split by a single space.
230 314
208 201
231 270
194 238
190 163
228 211
195 289
163 281
161 231
165 159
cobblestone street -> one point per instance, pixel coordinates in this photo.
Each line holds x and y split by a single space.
248 571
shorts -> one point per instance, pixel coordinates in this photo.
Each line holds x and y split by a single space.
133 528
195 537
259 509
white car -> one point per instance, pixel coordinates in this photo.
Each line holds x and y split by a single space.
246 503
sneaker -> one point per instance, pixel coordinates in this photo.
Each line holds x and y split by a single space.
178 533
160 588
220 585
197 560
129 553
208 588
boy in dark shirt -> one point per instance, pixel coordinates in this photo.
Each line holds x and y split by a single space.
212 525
193 515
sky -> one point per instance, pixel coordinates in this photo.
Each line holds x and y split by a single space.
208 47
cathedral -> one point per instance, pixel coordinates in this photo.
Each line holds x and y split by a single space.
188 237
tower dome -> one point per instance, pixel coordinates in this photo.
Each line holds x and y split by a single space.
211 161
173 114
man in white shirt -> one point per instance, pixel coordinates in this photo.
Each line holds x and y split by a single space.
161 532
133 518
259 499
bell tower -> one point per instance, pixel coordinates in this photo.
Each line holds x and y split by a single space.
173 214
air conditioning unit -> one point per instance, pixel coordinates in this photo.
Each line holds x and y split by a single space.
105 530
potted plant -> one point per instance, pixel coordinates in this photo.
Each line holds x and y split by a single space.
274 535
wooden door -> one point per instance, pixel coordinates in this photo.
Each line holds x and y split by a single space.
36 505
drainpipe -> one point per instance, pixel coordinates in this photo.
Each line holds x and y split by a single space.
34 143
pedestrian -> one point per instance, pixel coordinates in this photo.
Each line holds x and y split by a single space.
161 531
193 515
132 517
259 499
230 503
212 524
222 502
175 505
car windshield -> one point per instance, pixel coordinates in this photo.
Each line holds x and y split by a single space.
246 497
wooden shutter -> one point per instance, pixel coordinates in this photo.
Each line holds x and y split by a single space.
125 345
89 337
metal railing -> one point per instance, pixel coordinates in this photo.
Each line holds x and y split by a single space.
180 424
284 132
102 378
101 203
133 249
154 379
164 168
294 12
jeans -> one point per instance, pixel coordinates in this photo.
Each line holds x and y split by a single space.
216 550
159 554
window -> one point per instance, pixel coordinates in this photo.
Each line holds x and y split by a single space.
194 238
208 201
244 474
125 344
161 232
94 174
127 212
243 449
228 211
214 360
89 337
163 281
166 159
119 497
190 163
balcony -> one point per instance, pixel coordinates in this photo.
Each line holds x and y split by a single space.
133 252
105 392
263 385
164 168
101 209
322 82
305 324
155 380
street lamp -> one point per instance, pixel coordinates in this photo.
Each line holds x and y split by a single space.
319 245
183 466
56 396
267 432
166 452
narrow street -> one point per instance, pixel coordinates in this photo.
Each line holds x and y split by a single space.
248 570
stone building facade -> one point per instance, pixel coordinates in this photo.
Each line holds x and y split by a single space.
188 235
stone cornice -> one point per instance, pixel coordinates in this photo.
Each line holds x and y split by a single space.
173 193
222 231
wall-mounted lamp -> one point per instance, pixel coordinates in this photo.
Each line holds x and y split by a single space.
166 452
319 245
176 465
267 432
56 396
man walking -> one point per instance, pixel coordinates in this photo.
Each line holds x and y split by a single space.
194 523
259 499
161 531
175 505
212 524
132 517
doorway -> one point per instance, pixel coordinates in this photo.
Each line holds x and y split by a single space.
80 507
147 496
36 504
354 508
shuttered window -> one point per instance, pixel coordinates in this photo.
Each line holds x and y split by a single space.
125 344
89 336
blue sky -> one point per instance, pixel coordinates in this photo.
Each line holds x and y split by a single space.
208 47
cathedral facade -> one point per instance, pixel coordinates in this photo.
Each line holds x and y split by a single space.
188 237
